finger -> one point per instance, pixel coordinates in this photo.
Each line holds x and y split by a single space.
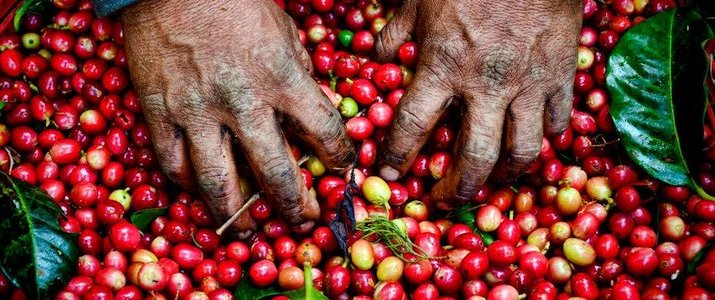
303 55
216 173
558 59
396 32
477 149
169 142
416 116
289 26
322 128
523 137
558 110
275 168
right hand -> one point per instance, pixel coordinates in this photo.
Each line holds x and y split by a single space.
512 65
213 72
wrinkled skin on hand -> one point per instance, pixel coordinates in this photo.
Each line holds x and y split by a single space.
512 65
213 72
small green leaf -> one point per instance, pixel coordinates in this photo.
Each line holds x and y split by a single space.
143 218
655 77
246 291
38 6
37 255
466 214
2 105
690 268
308 291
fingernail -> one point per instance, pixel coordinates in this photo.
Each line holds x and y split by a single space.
244 234
444 206
304 228
389 173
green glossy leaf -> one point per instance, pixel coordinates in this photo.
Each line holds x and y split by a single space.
246 291
466 214
655 76
698 259
38 6
143 218
308 291
36 254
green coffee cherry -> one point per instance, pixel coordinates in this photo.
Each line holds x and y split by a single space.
348 107
376 190
122 197
315 166
31 40
345 37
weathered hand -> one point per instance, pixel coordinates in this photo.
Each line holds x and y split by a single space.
512 65
213 72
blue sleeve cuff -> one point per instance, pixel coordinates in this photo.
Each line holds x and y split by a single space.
104 8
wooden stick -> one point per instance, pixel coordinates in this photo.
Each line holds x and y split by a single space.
303 159
237 214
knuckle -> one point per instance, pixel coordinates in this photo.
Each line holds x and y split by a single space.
410 123
479 156
452 53
328 130
537 73
279 179
153 103
286 70
172 167
434 70
527 104
466 189
497 67
232 90
525 155
185 103
216 183
253 121
277 170
566 62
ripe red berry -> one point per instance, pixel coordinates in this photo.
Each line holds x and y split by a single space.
125 236
11 62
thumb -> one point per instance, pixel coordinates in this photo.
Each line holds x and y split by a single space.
295 40
396 32
303 54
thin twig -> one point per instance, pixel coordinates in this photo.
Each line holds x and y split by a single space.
237 214
303 159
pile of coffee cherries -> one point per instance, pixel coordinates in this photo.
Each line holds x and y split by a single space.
583 223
